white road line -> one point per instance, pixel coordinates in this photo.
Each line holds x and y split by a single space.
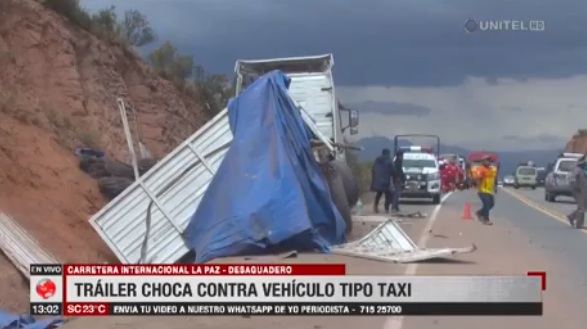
397 322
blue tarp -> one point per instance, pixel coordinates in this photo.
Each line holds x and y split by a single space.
11 321
268 194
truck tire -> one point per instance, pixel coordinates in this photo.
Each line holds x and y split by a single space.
334 179
351 186
146 164
94 167
111 187
118 168
436 199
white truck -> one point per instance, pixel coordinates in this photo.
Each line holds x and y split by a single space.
312 86
146 223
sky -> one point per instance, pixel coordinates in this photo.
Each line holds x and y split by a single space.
407 65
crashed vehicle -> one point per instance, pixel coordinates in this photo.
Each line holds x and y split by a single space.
263 176
154 221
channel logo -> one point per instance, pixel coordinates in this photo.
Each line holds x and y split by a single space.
472 25
46 288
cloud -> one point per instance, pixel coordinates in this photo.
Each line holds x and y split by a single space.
391 108
541 138
508 115
510 108
495 90
378 42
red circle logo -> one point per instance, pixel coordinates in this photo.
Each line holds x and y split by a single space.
46 288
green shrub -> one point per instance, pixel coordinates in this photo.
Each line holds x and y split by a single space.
136 29
71 10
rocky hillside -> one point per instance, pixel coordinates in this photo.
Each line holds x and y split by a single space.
578 142
58 90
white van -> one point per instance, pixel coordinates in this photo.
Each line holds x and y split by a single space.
422 174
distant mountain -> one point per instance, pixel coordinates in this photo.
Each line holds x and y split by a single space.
509 160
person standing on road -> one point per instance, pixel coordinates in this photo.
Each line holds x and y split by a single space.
579 187
381 174
486 186
399 179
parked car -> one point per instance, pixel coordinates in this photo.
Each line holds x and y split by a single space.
508 180
557 180
526 176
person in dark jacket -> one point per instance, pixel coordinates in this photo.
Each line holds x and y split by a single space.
579 188
399 179
381 175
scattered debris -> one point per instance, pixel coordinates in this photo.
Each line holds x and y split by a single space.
115 176
389 243
416 214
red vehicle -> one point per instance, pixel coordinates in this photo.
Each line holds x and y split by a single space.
474 159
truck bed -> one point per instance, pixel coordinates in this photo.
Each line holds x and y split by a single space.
122 223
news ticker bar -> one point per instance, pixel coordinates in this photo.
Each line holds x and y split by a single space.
289 309
187 269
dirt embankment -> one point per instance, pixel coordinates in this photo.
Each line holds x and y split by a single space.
58 90
578 142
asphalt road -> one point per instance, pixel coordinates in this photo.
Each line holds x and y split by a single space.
546 223
563 205
525 237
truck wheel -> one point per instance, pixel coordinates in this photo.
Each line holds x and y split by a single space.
94 167
111 187
146 164
351 186
516 186
436 199
118 168
335 182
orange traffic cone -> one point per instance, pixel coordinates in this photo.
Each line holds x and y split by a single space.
466 211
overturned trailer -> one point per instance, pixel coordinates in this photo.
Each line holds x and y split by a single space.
196 191
148 221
